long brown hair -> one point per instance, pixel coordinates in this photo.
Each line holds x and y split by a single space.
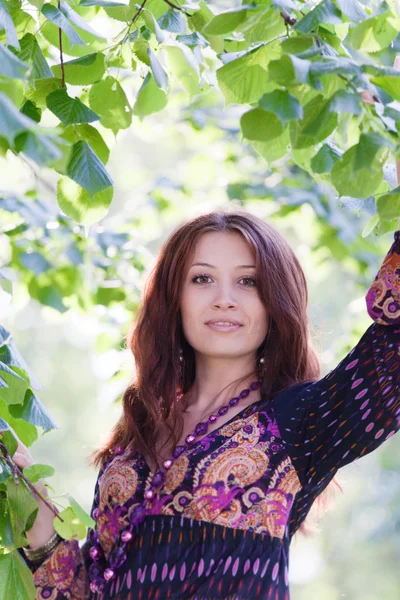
150 402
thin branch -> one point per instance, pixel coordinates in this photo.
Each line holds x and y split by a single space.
61 50
17 474
287 18
136 16
172 5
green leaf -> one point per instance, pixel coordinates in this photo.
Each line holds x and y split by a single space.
290 69
374 34
388 205
34 412
9 440
42 148
16 580
324 160
108 99
123 12
260 125
159 73
103 3
274 148
35 473
318 123
54 15
184 67
150 98
43 87
76 19
32 53
370 225
91 136
71 528
345 101
262 25
11 65
391 84
140 49
17 385
7 24
225 22
80 512
358 172
92 43
285 106
31 110
87 170
352 9
75 202
153 25
23 505
84 70
324 12
244 79
69 110
173 21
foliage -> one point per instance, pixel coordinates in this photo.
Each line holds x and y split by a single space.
292 72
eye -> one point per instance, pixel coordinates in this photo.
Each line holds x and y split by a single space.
199 276
203 275
252 280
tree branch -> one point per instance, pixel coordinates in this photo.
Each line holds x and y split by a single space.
17 474
172 5
61 51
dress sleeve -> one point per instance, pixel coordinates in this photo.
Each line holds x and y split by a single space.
351 411
63 575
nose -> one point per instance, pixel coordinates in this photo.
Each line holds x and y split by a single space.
224 298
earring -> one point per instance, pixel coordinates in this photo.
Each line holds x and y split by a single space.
180 370
261 367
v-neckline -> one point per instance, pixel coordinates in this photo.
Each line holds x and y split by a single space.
211 433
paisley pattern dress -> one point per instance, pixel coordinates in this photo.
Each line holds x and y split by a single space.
222 524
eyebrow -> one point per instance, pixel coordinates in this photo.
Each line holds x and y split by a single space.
203 264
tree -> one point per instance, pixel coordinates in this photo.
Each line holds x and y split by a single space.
297 77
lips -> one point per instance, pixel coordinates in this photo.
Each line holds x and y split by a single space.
224 325
223 321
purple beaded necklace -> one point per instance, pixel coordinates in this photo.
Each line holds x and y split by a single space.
100 575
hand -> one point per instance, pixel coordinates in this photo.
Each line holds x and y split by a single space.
43 528
368 98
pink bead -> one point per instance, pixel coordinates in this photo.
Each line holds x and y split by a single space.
167 464
149 494
93 587
126 536
95 513
212 418
108 574
118 450
189 439
94 553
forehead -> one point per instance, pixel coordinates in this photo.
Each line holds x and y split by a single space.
215 245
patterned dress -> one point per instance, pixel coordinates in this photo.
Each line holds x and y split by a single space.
224 518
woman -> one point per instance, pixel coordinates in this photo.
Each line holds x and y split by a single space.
228 435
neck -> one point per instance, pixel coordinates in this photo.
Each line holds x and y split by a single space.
219 380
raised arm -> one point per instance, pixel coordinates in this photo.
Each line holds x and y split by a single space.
63 575
356 407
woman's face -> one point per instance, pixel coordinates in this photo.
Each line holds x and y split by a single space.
224 289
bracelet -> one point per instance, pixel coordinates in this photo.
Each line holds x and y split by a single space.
35 554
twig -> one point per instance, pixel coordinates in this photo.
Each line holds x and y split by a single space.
286 17
172 5
17 474
136 16
61 50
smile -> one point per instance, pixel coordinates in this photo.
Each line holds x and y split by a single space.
223 326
